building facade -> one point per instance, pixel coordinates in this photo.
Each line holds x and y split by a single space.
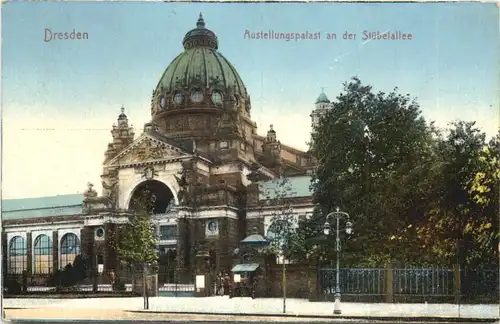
199 158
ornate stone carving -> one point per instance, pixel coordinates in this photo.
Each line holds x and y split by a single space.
149 173
148 150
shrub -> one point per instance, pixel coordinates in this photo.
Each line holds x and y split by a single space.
13 286
119 285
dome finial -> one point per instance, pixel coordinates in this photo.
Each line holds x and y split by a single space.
201 22
122 109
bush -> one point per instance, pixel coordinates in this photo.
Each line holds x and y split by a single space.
13 286
63 280
119 285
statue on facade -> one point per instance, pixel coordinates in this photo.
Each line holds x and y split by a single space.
91 198
90 192
110 190
181 179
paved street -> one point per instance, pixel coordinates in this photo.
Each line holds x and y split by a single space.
55 316
262 306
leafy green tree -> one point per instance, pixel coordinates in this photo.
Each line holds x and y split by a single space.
485 192
373 150
462 226
276 196
137 242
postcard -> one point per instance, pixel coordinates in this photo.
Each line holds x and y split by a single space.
227 161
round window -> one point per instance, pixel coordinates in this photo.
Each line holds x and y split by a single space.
99 232
162 101
178 98
197 96
217 97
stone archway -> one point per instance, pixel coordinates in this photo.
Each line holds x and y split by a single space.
161 199
153 195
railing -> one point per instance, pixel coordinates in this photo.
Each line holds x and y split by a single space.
411 284
18 284
425 282
354 281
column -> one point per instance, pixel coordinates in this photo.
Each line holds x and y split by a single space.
5 261
55 251
29 253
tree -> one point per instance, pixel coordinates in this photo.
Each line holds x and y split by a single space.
137 245
461 225
277 194
373 150
485 192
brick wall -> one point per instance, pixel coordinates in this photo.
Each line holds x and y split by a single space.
299 279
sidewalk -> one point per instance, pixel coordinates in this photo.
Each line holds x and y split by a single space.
267 307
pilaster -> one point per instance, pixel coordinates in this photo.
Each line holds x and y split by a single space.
55 251
29 252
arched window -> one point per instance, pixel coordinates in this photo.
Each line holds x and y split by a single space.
70 248
17 255
43 261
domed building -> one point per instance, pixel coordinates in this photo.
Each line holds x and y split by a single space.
199 158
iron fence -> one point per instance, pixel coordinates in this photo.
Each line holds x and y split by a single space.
426 281
407 284
353 281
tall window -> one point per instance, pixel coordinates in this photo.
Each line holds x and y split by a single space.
43 261
168 232
17 255
70 248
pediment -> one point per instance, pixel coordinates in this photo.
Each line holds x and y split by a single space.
147 149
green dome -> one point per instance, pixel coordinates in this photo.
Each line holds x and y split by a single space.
201 64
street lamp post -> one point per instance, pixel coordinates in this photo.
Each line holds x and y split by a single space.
348 229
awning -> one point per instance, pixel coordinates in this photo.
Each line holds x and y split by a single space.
245 267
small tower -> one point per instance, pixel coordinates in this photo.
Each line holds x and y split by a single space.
271 149
322 106
123 135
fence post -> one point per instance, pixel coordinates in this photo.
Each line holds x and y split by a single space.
389 288
458 283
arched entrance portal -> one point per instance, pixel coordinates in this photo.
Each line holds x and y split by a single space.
152 195
156 198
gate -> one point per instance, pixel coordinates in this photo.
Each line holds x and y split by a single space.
169 279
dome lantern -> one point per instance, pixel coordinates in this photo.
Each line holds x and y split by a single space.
200 36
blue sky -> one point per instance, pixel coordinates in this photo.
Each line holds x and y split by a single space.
75 88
